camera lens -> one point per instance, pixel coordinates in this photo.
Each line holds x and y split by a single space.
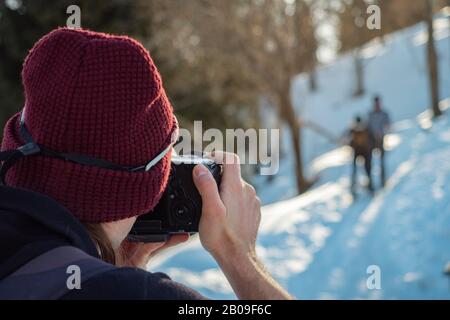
181 214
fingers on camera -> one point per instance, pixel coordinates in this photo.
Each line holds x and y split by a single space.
231 166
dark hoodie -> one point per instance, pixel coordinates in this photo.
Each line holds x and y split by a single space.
32 224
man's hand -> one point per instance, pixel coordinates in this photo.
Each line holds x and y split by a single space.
229 226
137 254
230 219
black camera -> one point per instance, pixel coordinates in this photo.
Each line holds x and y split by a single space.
180 207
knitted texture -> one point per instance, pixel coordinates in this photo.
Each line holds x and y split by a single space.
98 95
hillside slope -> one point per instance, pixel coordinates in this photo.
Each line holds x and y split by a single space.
320 244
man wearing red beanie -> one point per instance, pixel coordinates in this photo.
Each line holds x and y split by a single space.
95 117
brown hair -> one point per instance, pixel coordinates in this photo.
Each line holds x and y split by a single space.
99 236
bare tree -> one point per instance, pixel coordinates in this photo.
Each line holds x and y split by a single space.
402 13
396 15
264 43
307 42
353 34
432 60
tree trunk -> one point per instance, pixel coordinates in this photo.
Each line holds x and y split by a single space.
289 116
432 62
312 80
359 74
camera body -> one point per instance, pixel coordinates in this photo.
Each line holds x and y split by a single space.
180 207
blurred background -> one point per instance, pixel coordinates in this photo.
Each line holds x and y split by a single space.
308 68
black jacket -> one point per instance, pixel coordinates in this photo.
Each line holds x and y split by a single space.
31 224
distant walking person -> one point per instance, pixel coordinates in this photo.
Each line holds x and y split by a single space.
379 124
361 145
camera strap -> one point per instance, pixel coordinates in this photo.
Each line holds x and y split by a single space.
8 159
31 148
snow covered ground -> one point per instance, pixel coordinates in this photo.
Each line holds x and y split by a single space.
320 244
395 70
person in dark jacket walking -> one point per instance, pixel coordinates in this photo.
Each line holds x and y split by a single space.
379 124
360 143
90 152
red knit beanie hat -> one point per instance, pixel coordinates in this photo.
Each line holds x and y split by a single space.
100 96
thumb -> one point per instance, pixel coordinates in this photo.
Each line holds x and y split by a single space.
208 189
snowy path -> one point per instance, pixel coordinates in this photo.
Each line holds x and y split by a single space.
405 230
380 235
320 244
